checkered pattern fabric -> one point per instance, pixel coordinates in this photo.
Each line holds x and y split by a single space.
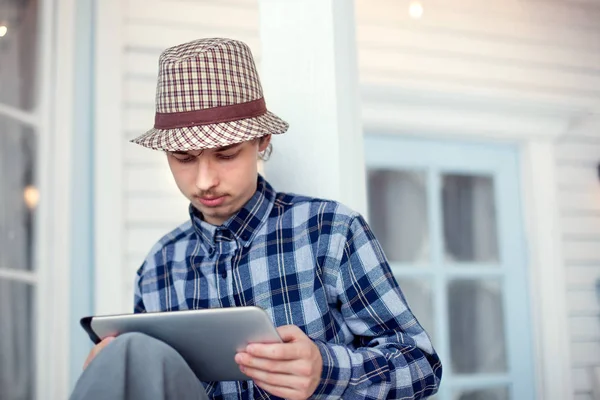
202 75
310 263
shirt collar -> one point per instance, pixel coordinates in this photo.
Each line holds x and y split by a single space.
244 224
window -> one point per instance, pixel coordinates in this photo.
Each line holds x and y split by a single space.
448 218
19 197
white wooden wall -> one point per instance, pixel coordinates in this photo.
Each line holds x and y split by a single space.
536 63
577 158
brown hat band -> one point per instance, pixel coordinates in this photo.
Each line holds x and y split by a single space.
208 116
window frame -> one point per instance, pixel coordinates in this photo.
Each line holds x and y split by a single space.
499 161
52 120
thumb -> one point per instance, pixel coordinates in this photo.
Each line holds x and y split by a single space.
290 333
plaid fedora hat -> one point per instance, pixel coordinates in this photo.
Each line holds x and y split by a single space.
208 95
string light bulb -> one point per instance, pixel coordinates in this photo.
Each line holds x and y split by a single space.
31 196
415 10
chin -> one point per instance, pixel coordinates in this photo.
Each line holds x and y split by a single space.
213 212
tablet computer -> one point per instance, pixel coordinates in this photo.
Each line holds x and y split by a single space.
207 339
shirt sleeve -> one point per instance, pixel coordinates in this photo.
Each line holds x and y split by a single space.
392 356
138 302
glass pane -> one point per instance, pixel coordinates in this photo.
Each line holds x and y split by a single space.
482 394
17 366
19 195
469 212
420 300
18 52
398 214
476 316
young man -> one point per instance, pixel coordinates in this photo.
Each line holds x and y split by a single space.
313 265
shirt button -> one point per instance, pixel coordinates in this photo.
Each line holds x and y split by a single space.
224 274
244 385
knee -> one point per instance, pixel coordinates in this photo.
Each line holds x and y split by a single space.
135 339
140 344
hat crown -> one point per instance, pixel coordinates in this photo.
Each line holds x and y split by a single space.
208 96
206 73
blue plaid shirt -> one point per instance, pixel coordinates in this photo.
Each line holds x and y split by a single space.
307 262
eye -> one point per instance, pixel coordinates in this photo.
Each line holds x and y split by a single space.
184 158
227 156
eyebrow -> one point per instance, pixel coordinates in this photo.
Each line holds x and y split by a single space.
217 150
231 146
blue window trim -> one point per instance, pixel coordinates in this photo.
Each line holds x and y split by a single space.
82 257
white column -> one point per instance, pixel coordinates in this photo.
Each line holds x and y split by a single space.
547 271
310 77
108 157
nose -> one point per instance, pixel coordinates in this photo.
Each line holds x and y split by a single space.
207 177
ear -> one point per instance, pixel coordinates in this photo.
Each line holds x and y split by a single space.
264 143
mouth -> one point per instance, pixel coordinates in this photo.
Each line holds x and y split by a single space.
211 201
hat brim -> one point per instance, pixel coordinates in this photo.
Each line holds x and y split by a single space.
212 136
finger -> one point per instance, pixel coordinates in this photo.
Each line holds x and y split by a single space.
283 392
278 351
290 333
295 367
264 364
275 379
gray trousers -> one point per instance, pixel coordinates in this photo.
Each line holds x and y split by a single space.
136 366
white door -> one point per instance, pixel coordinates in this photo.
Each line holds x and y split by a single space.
448 216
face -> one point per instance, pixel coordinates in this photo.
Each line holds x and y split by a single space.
218 182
